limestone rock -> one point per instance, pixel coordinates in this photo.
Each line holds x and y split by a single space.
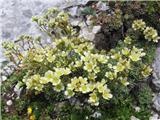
154 117
156 102
96 115
87 34
102 6
96 29
134 118
3 78
74 11
156 71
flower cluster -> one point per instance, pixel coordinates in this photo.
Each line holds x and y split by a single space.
138 25
78 54
127 40
73 66
55 23
149 32
37 82
136 54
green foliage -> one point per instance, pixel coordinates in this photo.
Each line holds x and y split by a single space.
88 11
12 80
152 7
15 117
145 95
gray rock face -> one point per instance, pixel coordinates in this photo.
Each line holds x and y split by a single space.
156 71
156 81
102 6
27 13
156 102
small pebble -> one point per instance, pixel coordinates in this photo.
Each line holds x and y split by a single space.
134 118
137 109
4 78
96 115
9 102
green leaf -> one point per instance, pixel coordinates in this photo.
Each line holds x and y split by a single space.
88 11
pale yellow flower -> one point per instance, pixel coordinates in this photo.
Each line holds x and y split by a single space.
51 58
125 51
78 63
124 81
84 89
138 25
146 71
32 117
93 99
127 40
69 93
111 75
106 94
59 87
55 81
29 110
89 66
151 34
119 67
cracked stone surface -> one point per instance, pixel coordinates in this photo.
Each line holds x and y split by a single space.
156 70
156 102
156 80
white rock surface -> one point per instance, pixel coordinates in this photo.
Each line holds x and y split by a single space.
73 11
156 102
134 118
102 6
87 33
156 81
3 78
137 109
96 29
154 117
156 71
96 114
